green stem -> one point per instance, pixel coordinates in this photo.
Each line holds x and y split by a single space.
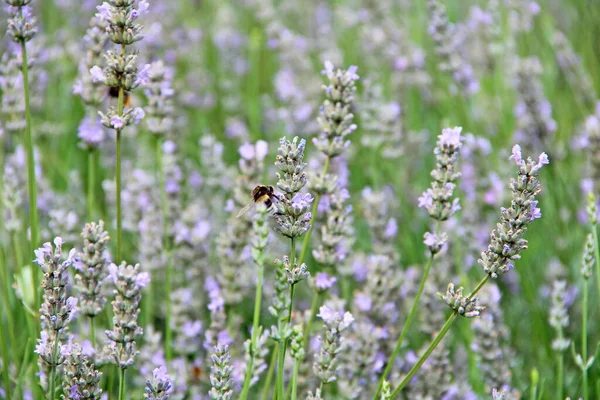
5 359
118 178
597 253
434 343
405 328
93 331
121 384
167 247
584 339
560 376
313 313
279 389
31 182
295 379
314 217
255 321
270 372
425 355
91 184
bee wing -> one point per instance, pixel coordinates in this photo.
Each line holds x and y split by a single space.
244 210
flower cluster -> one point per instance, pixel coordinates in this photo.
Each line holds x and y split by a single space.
535 125
559 318
160 109
129 282
159 387
81 380
121 72
57 310
463 305
22 25
92 269
220 376
437 200
588 257
293 218
442 32
335 115
506 241
326 362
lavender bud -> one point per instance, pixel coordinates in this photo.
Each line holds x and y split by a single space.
160 109
129 282
463 305
220 376
281 301
326 361
160 386
592 209
316 396
297 343
294 272
386 391
435 243
81 380
335 115
92 269
588 257
257 356
506 241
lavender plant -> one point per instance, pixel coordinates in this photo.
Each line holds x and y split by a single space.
81 381
121 73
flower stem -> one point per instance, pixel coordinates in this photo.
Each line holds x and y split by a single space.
121 383
405 328
255 321
434 343
167 246
280 364
31 182
93 331
597 253
584 339
295 378
120 105
271 370
313 213
91 184
560 376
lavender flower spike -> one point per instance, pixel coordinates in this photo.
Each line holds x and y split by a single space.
129 282
326 362
506 241
335 115
160 386
463 305
92 269
81 381
220 377
57 310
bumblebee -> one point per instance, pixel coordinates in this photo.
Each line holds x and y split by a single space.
114 92
261 195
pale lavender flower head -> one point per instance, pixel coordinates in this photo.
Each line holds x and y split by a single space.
91 133
323 281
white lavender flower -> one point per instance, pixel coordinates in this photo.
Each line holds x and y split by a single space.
57 310
160 109
159 387
588 257
437 200
559 318
463 305
326 362
535 126
220 376
335 115
129 282
81 380
443 34
92 269
506 241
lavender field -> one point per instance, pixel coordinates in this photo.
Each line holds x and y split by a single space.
299 199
